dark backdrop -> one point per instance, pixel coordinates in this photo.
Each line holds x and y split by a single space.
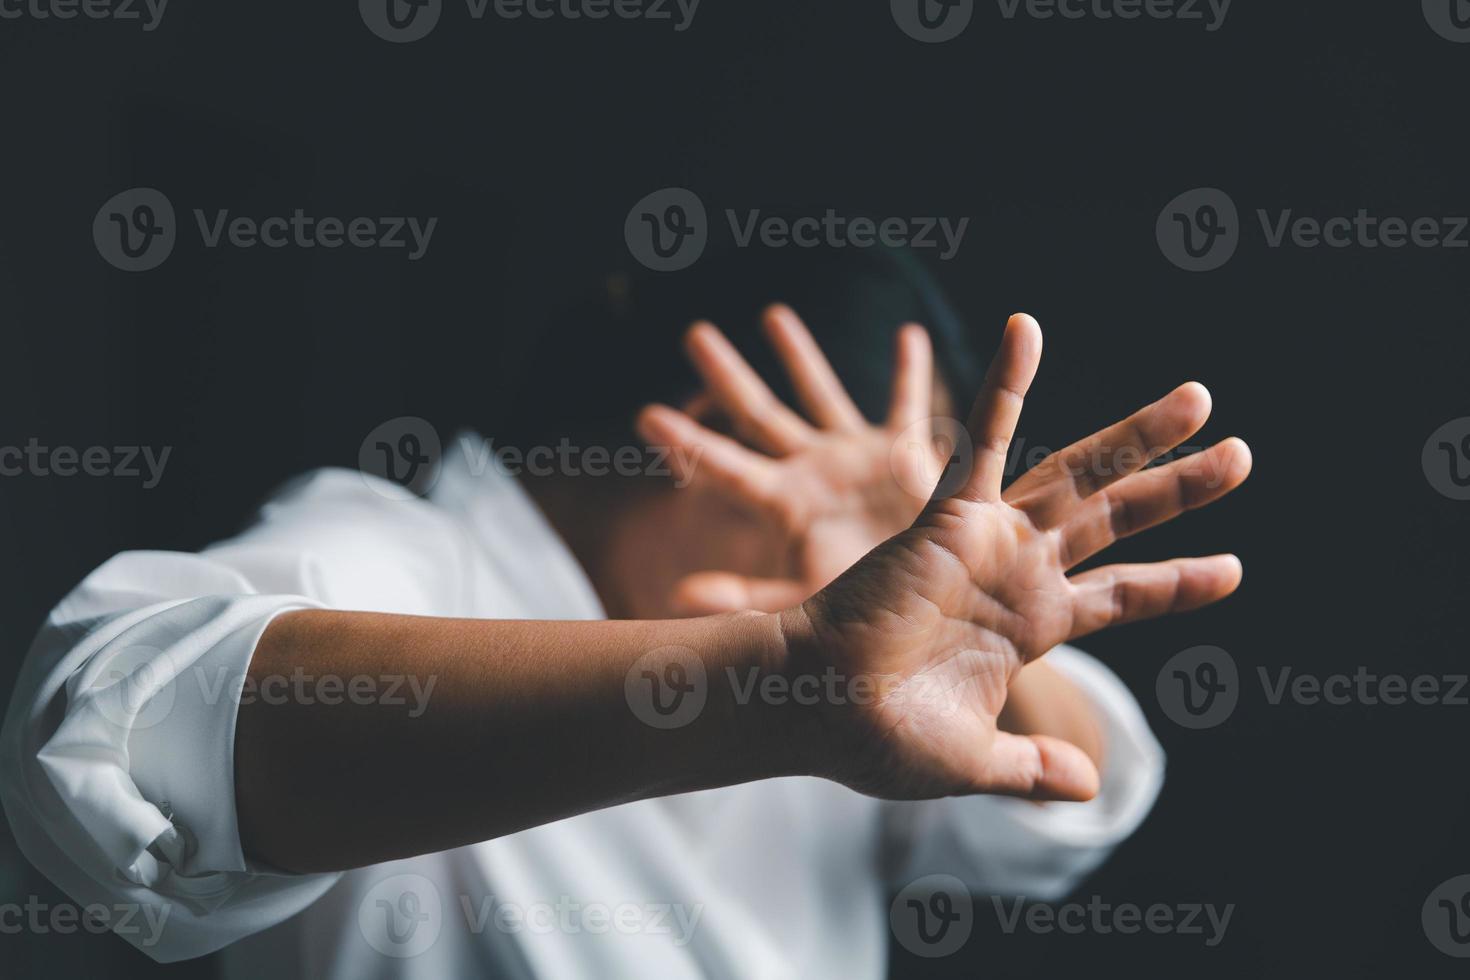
1326 826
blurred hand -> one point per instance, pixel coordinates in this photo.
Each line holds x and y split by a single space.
831 485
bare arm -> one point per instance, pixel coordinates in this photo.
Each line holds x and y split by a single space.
533 722
526 723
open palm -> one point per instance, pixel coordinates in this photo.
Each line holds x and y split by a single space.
943 615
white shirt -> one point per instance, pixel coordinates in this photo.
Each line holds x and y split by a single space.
116 771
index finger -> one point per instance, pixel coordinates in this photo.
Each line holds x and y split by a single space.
993 420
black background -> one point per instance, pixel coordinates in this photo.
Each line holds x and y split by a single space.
1326 826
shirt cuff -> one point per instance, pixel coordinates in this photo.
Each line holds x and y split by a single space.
144 757
1132 771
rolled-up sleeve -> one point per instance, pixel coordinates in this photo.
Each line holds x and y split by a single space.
117 753
1004 846
116 760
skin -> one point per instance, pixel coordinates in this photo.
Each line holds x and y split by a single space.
936 618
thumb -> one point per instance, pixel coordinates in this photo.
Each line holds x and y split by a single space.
1037 767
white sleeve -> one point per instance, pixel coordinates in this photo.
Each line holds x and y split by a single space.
1004 846
117 754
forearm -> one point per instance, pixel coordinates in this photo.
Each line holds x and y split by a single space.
525 723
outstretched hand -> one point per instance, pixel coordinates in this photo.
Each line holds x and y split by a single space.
945 613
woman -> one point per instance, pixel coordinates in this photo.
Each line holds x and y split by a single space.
558 723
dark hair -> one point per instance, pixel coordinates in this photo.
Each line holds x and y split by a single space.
619 347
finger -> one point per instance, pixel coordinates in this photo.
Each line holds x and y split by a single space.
818 389
1118 594
712 593
1038 767
759 417
913 378
696 450
1052 488
993 419
1150 498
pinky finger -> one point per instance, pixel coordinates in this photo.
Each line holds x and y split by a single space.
1117 594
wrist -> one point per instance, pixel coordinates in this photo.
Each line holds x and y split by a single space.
765 693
